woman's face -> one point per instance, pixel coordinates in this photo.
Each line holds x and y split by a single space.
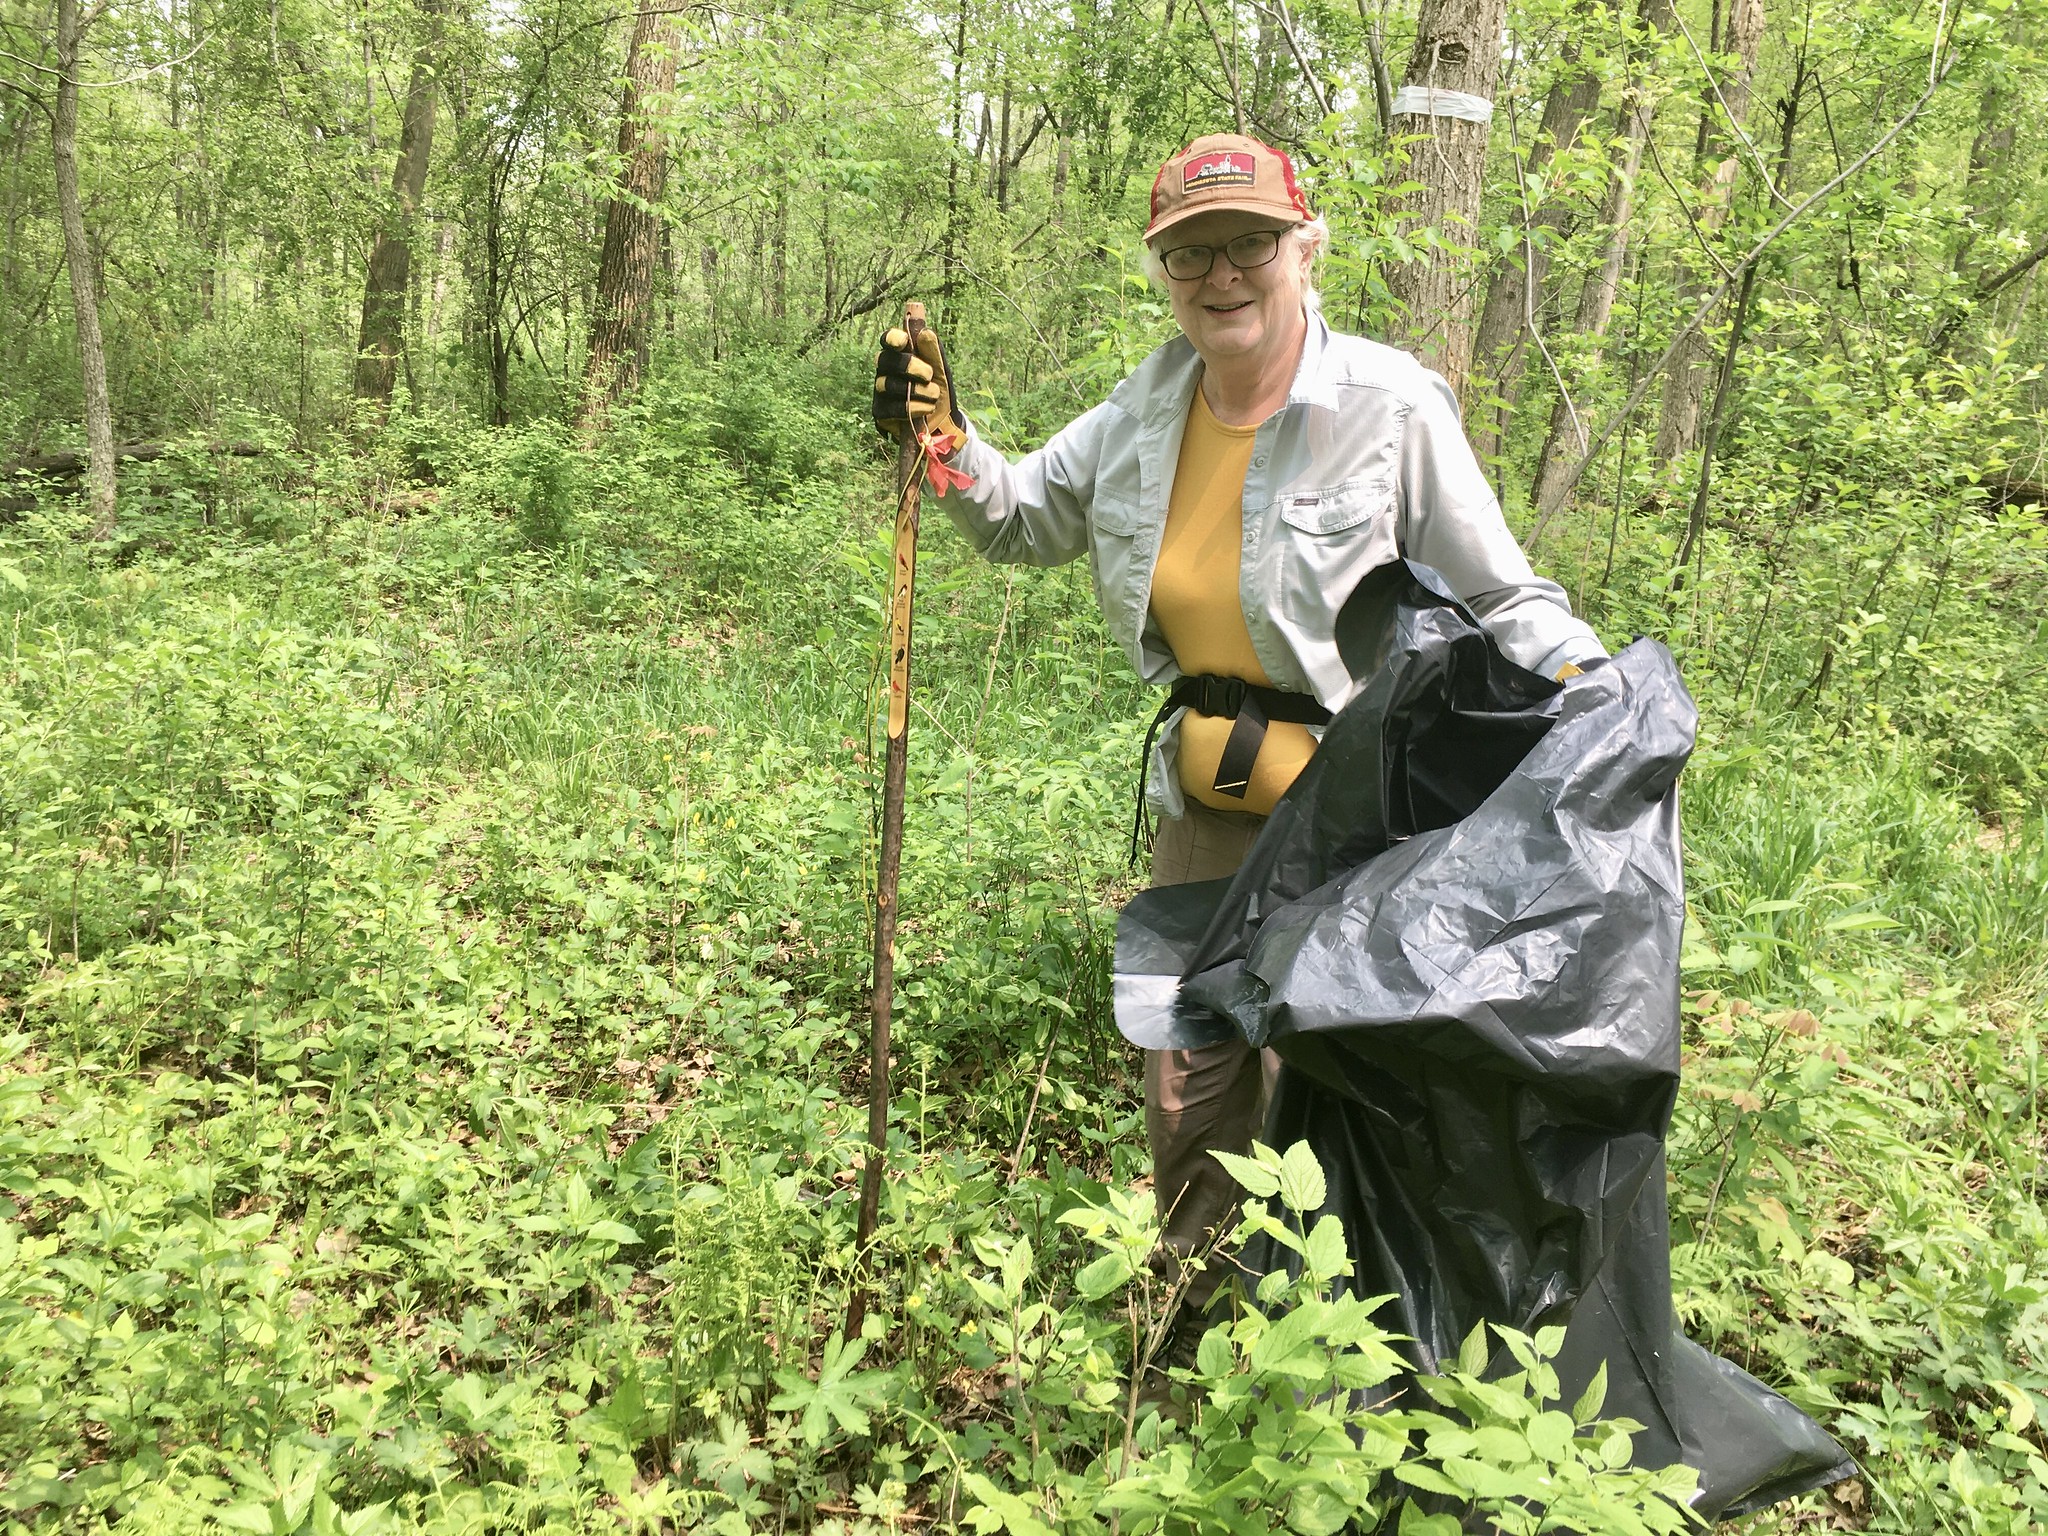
1238 314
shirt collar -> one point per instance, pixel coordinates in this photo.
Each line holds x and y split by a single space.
1162 386
1312 383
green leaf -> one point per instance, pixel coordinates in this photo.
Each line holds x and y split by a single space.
1418 1475
1860 922
1550 1435
1324 1250
612 1232
1316 1511
1301 1179
1615 1451
1017 1269
1415 1523
1106 1274
1258 1180
1011 1513
1590 1402
1214 1356
1472 1354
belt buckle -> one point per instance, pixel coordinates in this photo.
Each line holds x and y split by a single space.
1221 697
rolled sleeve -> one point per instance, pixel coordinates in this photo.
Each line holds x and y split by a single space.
1451 520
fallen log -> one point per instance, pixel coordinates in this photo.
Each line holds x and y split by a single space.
71 461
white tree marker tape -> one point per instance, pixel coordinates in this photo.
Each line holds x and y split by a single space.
1428 101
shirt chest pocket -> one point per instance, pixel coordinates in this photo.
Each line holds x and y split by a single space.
1346 509
1114 517
1321 547
1113 541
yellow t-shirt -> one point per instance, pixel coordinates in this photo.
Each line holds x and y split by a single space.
1196 601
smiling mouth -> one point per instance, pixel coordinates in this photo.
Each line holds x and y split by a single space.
1228 309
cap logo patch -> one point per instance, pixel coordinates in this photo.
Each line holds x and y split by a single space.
1225 169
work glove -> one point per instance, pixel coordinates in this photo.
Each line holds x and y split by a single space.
914 387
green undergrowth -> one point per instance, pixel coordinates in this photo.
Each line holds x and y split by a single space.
433 940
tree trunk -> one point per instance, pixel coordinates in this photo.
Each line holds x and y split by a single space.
707 265
1603 284
949 260
1986 192
778 254
1518 283
85 298
381 341
1001 168
1724 386
624 301
1500 351
1685 386
1457 48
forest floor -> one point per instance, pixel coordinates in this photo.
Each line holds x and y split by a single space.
433 1020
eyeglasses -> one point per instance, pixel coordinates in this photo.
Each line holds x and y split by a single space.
1253 249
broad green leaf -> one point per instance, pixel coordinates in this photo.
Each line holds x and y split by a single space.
1258 1180
1214 1356
1316 1511
1324 1249
1550 1435
1429 1479
1473 1353
1415 1523
1104 1275
1301 1179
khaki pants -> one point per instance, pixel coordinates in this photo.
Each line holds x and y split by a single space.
1213 1096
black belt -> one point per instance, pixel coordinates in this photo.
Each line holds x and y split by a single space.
1251 706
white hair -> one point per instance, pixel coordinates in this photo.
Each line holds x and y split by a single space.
1313 233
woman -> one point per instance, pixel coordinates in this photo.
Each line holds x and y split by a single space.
1230 494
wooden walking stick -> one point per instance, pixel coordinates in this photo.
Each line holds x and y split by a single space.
910 456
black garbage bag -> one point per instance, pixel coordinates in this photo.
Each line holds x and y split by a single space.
1459 930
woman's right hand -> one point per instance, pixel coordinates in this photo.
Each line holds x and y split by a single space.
913 386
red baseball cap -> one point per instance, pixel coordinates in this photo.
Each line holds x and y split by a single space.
1225 170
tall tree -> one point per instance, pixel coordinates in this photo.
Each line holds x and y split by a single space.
1457 50
1724 384
621 311
1515 293
72 25
1724 107
1595 309
380 343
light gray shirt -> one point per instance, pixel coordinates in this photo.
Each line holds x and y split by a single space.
1366 463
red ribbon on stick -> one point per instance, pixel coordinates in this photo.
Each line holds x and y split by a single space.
942 476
